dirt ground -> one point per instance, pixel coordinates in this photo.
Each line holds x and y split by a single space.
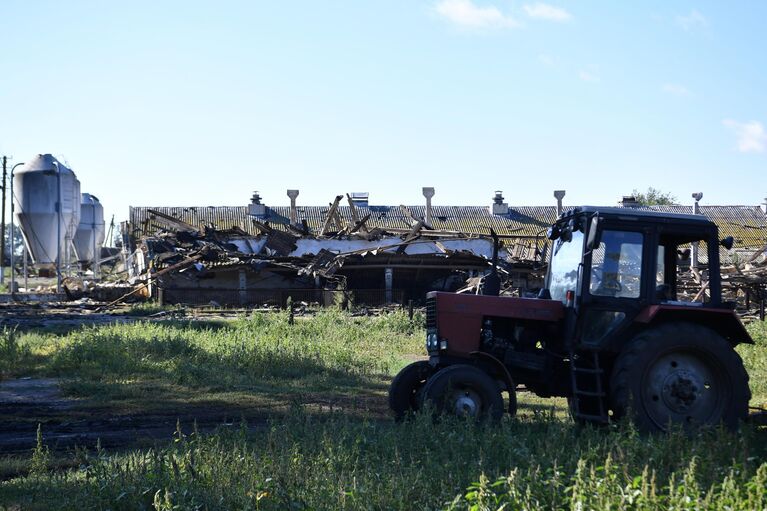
66 422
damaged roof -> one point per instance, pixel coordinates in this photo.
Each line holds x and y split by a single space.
521 221
747 224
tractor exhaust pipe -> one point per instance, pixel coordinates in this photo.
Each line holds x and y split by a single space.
491 284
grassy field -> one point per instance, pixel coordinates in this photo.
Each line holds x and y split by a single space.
320 384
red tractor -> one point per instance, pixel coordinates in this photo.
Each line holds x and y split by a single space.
611 331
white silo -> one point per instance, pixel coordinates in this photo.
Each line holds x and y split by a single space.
89 236
40 185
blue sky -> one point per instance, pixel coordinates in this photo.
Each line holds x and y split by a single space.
200 103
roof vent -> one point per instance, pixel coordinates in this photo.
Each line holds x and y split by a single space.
428 192
559 195
499 207
629 201
360 199
255 208
293 195
696 205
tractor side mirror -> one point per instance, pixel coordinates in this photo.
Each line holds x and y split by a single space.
553 233
728 242
593 239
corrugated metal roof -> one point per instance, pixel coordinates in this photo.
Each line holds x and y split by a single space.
522 221
747 224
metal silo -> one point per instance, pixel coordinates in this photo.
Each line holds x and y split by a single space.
90 232
40 185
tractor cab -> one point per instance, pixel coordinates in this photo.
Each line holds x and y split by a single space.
615 267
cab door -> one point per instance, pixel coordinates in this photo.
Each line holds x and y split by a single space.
615 276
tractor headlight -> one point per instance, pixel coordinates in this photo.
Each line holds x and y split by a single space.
432 343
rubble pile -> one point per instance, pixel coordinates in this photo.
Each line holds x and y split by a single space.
184 263
746 284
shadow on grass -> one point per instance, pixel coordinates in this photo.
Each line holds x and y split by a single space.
182 367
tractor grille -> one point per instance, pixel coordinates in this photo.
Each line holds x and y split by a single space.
431 314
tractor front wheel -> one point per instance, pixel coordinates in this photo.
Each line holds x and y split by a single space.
403 392
679 373
464 391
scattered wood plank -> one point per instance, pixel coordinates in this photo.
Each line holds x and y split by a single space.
330 216
173 222
359 225
411 218
411 236
186 262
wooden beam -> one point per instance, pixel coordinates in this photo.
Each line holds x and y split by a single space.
408 215
185 262
702 291
338 221
263 228
330 217
359 225
411 236
177 224
352 208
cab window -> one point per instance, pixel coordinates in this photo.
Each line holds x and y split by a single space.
676 280
565 261
616 265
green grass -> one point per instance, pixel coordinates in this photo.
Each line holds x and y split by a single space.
132 366
755 359
343 460
263 345
304 463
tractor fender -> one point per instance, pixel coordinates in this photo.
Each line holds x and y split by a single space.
503 371
496 364
725 322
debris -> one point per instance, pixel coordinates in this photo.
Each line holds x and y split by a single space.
183 263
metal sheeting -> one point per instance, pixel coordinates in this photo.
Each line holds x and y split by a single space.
747 224
522 221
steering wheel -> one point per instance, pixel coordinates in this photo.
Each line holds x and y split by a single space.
597 274
598 283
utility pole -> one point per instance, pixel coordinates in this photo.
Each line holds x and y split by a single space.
2 223
58 227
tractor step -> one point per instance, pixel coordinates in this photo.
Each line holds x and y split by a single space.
602 419
588 401
587 371
588 393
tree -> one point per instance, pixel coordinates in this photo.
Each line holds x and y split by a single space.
654 197
18 244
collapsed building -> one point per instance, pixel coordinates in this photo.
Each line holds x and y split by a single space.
369 254
352 250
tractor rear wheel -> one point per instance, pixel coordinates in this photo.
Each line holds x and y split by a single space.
464 391
403 392
679 373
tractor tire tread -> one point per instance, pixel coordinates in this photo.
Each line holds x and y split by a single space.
496 408
403 386
623 371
